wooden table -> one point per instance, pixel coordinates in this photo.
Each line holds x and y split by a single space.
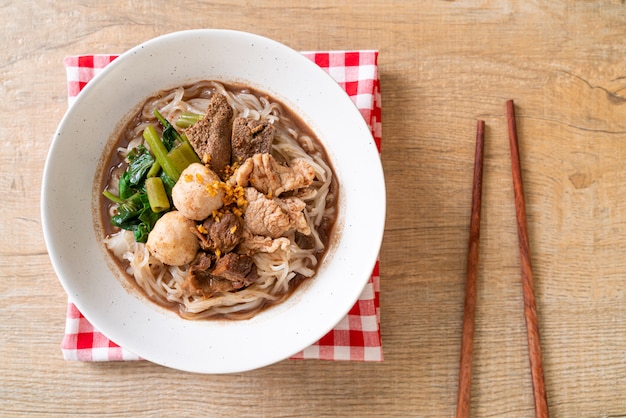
443 65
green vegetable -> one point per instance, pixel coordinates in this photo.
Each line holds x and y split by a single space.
160 152
159 201
134 210
187 119
170 134
154 170
168 183
183 155
124 186
135 214
127 210
140 161
190 153
145 187
148 218
112 197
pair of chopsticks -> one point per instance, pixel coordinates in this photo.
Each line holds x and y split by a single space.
530 309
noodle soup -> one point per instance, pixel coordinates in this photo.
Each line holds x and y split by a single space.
242 225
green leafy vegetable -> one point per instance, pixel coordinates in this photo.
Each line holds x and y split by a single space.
124 186
135 214
129 210
145 187
170 134
140 162
141 232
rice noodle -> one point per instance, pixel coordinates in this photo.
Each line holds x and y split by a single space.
276 270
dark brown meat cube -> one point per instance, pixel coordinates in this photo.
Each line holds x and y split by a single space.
229 273
222 235
236 267
198 279
203 261
211 135
203 284
251 137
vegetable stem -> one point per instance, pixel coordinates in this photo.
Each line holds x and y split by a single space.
156 195
160 152
160 118
187 119
112 197
154 170
182 156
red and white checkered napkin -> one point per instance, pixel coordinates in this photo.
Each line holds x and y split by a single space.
355 337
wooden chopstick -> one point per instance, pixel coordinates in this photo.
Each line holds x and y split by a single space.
530 309
467 342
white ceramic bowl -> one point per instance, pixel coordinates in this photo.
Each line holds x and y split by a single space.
68 202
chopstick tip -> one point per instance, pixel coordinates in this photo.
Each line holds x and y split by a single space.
510 105
480 130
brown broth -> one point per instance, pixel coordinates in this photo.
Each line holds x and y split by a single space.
113 162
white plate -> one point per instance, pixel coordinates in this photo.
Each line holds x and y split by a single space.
68 202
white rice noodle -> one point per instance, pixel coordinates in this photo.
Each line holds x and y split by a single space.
276 270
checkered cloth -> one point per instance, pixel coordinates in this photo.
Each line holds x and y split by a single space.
357 336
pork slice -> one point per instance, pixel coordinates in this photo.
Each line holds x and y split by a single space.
263 216
211 135
250 136
270 177
294 208
273 217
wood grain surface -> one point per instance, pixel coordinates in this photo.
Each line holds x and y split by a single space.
443 65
